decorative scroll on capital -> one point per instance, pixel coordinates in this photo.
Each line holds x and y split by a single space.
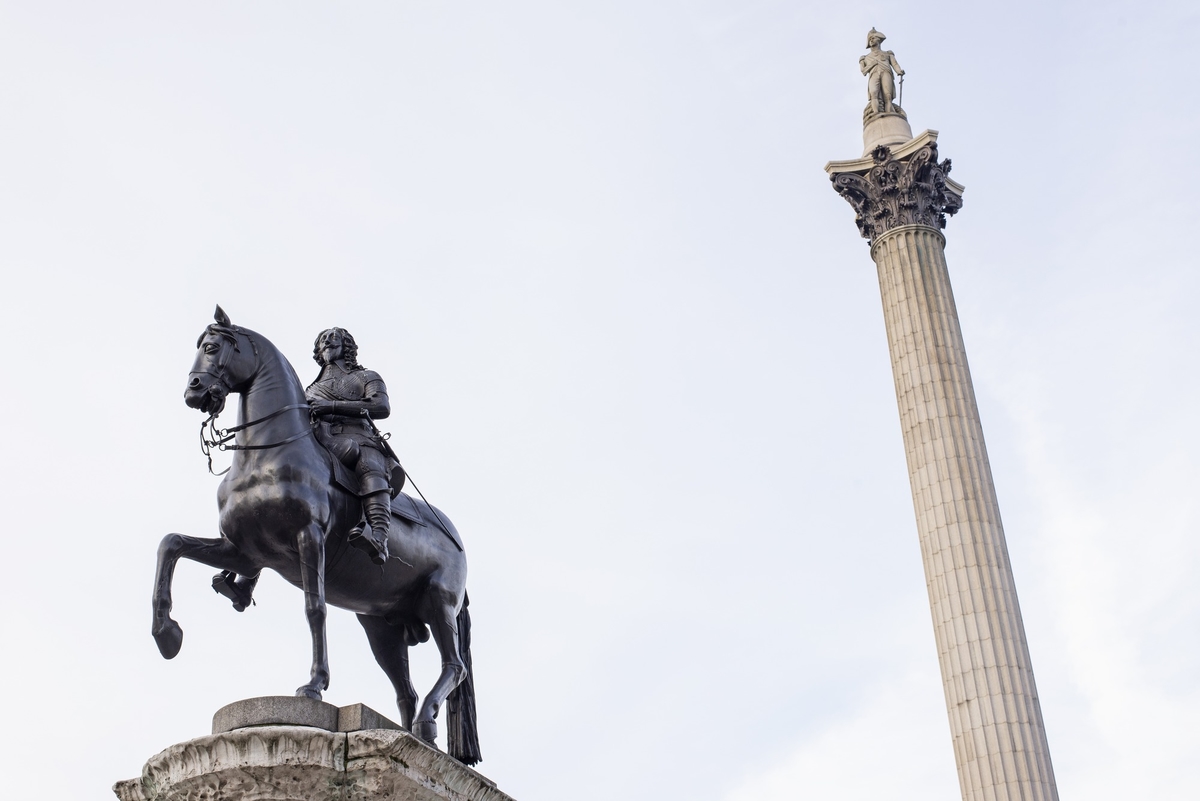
894 193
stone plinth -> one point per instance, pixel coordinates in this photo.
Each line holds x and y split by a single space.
276 710
289 710
280 761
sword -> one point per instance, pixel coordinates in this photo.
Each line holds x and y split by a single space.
383 438
900 100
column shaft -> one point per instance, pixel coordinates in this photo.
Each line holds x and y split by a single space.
995 719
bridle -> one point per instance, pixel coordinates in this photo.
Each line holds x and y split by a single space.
221 438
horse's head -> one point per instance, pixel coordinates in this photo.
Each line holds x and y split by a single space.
226 358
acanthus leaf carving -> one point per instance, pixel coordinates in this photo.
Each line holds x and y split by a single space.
894 193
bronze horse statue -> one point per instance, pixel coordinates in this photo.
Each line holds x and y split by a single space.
281 507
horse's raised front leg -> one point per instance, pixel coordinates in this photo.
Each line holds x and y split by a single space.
219 553
444 623
312 574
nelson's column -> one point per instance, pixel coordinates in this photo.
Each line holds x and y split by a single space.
901 195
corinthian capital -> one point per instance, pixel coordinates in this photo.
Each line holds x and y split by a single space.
912 190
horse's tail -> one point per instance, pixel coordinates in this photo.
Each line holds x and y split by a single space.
463 737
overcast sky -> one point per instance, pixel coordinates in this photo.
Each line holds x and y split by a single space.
635 351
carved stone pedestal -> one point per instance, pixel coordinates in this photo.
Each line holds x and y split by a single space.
887 129
282 762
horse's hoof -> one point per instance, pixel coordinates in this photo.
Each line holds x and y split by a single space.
169 639
308 692
425 730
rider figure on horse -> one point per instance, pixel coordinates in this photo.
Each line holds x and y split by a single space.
344 399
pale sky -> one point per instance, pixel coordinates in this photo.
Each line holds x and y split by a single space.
635 351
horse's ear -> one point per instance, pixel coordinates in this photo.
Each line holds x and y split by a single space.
221 317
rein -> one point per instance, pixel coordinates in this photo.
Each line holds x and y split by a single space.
220 438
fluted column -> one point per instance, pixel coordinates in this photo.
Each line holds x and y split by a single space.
995 720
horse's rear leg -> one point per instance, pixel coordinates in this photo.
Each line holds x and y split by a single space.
219 553
443 621
391 652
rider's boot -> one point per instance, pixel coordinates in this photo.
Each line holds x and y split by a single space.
378 510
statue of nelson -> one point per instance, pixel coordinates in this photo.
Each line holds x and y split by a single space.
880 67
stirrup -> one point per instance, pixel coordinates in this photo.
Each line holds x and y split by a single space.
378 551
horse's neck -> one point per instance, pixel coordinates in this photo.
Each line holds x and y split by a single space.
273 387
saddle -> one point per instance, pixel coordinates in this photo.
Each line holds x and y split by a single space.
403 506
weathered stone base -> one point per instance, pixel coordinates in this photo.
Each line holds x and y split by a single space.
307 763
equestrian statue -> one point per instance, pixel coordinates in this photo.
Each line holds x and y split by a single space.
313 492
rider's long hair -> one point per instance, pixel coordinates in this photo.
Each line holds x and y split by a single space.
349 349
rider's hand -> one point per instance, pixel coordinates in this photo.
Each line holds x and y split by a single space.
321 408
